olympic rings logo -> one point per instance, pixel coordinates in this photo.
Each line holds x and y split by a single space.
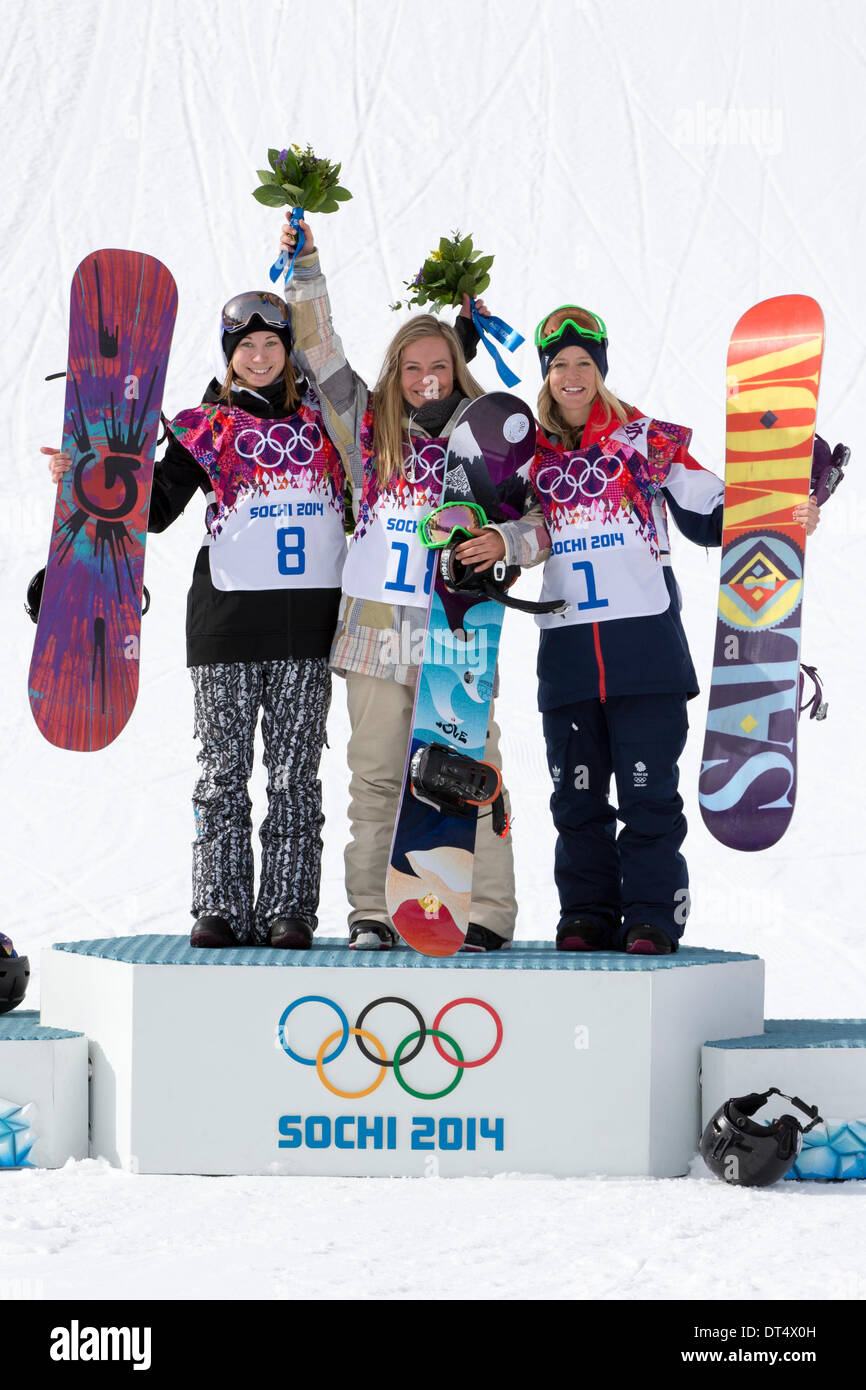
561 484
425 465
403 1053
290 442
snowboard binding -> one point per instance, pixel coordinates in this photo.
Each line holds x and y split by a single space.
457 785
828 469
815 702
33 601
448 527
493 583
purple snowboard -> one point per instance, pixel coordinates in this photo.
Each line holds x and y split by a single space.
84 671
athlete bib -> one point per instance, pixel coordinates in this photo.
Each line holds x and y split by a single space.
295 542
387 562
276 519
598 507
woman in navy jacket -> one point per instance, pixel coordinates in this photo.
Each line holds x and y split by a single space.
615 672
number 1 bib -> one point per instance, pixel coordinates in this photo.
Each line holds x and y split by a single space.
598 508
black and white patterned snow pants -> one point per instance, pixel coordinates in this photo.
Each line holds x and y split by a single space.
294 696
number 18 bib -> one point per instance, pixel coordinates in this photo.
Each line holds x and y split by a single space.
387 562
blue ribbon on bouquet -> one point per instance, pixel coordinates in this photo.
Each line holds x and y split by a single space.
282 260
493 327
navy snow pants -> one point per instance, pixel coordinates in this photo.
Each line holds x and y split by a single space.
638 878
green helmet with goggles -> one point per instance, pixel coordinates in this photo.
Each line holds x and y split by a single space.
579 328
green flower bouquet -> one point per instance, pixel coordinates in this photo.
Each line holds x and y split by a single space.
448 273
298 178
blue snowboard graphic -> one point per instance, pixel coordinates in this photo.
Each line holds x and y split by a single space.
429 885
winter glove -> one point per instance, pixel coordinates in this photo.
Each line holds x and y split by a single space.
468 335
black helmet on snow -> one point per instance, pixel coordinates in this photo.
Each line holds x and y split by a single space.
14 976
745 1153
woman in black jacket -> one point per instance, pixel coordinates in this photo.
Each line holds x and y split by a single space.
261 615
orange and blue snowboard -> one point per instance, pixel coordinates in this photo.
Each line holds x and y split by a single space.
748 778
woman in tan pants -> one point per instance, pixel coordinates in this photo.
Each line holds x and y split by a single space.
395 439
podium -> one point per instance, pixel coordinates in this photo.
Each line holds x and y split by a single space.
43 1093
820 1060
338 1062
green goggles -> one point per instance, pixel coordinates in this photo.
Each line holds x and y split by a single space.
599 335
452 521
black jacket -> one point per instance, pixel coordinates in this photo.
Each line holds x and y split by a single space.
261 625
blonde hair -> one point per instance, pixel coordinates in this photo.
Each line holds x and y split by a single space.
549 414
387 398
292 398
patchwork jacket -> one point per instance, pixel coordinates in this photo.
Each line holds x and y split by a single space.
374 637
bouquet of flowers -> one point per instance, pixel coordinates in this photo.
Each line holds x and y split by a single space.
455 269
298 178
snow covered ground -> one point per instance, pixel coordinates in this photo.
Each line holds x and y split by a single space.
668 165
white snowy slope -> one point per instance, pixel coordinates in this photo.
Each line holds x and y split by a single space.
667 165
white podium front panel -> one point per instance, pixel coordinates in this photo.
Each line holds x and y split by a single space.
387 1063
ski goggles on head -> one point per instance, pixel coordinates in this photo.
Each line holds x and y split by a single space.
270 308
453 520
547 340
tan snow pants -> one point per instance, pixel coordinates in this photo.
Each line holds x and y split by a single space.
380 712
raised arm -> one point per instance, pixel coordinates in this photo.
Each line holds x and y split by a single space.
319 353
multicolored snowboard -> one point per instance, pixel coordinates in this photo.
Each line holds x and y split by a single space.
429 884
749 771
84 671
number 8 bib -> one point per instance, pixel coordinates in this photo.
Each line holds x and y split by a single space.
283 540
